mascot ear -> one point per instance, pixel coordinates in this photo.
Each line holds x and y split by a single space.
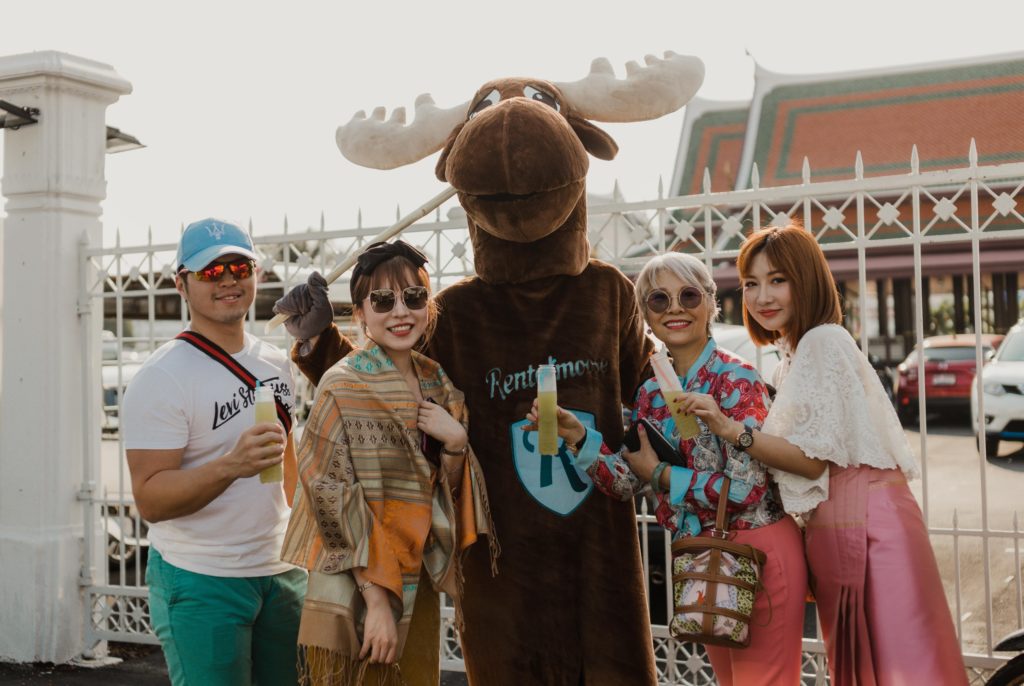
439 169
597 142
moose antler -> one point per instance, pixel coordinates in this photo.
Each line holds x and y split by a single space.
647 92
382 144
663 86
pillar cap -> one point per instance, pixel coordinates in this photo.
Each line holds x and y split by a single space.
62 64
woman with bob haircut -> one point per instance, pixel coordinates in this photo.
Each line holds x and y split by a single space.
841 459
391 492
678 299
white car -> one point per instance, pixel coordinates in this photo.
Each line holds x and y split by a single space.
1002 382
736 339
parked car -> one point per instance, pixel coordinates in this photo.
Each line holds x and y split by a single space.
109 378
736 339
949 368
1002 382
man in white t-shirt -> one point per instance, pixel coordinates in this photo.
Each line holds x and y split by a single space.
224 606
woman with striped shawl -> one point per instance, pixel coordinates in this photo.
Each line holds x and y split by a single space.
391 492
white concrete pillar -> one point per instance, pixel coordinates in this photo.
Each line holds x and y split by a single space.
53 182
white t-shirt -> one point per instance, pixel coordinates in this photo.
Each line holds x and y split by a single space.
181 398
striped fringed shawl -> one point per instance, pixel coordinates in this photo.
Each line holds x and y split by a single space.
369 498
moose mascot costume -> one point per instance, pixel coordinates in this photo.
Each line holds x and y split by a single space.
568 606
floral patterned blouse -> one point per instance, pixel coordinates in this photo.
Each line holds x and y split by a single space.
690 504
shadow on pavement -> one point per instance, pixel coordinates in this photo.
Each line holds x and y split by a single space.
1013 461
143 665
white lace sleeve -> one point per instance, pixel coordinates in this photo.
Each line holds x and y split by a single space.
820 404
800 494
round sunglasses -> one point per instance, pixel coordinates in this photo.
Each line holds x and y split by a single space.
659 300
383 300
241 268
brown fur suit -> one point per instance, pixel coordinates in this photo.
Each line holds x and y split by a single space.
568 606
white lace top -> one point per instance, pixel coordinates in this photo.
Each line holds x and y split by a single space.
831 405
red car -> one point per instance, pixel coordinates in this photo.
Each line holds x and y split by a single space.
949 366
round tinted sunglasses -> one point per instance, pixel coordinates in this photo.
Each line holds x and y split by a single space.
382 300
659 300
241 268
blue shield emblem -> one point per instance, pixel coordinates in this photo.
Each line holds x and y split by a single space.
554 481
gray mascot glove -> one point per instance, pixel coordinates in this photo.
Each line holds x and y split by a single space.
308 308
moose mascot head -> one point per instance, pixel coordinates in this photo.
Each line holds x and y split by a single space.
517 153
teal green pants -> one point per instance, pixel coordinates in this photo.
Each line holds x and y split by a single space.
226 631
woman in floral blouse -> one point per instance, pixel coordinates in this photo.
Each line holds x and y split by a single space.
677 297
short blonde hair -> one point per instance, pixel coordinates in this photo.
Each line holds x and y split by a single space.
815 300
687 269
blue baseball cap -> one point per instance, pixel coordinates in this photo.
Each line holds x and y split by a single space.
207 239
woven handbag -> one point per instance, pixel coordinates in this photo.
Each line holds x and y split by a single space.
714 584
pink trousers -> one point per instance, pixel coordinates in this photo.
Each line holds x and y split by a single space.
773 656
883 611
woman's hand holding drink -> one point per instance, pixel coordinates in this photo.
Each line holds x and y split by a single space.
671 389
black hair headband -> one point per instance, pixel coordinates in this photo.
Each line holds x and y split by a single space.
378 253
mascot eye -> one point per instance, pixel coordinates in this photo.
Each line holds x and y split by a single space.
540 96
491 98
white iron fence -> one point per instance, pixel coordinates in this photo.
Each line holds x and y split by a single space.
862 218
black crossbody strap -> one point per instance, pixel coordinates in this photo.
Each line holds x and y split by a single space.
218 354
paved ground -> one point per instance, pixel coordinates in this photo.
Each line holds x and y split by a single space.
142 666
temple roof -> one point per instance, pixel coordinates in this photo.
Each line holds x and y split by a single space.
829 118
712 137
882 114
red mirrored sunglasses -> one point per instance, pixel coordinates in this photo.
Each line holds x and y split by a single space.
242 268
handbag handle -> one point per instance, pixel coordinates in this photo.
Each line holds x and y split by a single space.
721 529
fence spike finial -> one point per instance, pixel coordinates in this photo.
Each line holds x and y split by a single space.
915 161
250 225
149 235
805 171
359 217
972 154
286 222
661 187
858 167
398 212
706 181
323 221
117 237
755 177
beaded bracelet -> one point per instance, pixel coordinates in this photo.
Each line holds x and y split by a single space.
656 476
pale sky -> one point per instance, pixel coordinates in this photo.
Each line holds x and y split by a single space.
238 102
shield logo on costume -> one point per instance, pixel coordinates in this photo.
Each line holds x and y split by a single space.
554 481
